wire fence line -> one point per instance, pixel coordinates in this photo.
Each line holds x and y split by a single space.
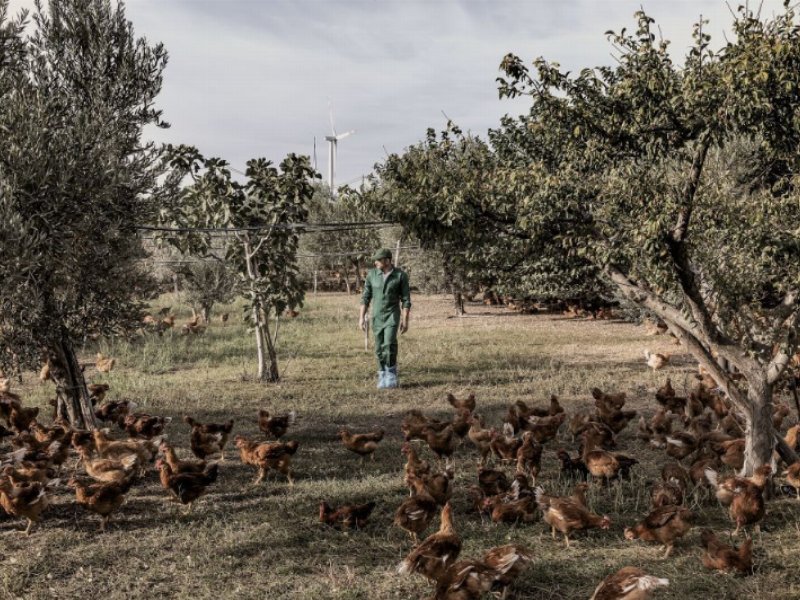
300 227
321 255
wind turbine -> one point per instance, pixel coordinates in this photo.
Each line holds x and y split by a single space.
333 141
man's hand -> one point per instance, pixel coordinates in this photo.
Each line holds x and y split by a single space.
404 320
362 323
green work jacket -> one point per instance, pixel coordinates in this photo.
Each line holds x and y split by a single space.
386 297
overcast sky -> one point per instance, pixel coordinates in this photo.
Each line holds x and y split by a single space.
250 78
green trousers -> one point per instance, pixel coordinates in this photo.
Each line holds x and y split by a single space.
386 346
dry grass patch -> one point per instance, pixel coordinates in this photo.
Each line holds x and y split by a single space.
265 542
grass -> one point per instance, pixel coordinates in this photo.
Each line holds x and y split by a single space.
265 542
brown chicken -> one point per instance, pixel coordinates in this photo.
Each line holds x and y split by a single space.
415 466
492 482
275 426
722 557
461 422
438 485
568 514
732 453
144 450
605 465
544 429
25 500
101 498
437 552
468 403
665 396
726 488
792 475
705 459
665 525
20 418
187 487
363 444
529 456
572 468
748 507
617 420
665 493
681 444
415 513
779 414
103 364
97 391
266 456
114 410
481 438
143 425
178 466
442 443
28 472
415 423
511 510
471 579
629 583
507 562
608 402
347 516
209 438
792 437
675 473
464 580
504 446
109 470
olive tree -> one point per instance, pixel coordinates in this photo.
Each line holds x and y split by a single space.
76 89
453 193
261 220
679 183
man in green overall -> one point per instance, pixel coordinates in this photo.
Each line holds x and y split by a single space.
386 287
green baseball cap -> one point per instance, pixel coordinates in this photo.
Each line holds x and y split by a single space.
381 254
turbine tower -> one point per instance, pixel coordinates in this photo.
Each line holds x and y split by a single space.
333 141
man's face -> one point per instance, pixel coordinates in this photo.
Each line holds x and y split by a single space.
383 263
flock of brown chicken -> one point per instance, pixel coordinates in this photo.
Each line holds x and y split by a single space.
700 435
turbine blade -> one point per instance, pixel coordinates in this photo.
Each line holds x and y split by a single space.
344 135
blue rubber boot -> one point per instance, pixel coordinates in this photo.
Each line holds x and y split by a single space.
391 378
382 379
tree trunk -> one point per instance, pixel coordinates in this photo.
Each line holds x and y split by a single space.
346 278
270 370
357 269
261 344
316 277
74 402
205 311
267 361
759 433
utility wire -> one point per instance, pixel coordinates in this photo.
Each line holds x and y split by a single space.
308 227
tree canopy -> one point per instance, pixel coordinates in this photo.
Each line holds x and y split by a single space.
679 182
674 183
75 179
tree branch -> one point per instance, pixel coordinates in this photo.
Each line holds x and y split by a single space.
687 201
644 297
780 361
707 361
